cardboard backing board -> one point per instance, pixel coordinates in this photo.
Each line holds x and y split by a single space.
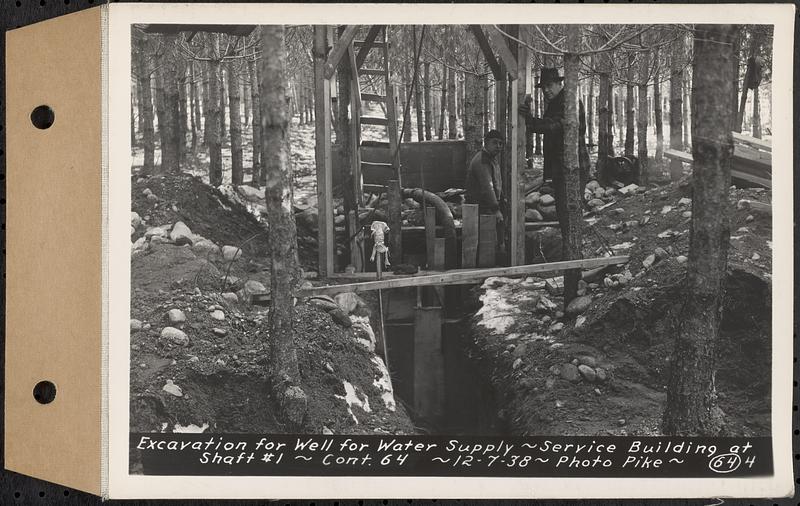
54 251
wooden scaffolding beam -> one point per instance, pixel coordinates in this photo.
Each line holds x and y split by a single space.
322 131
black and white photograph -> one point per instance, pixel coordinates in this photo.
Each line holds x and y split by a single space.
451 231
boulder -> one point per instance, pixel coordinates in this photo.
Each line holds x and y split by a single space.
601 374
548 213
587 373
666 209
517 363
570 373
599 193
595 203
231 253
579 305
219 332
685 201
230 297
324 303
520 350
172 388
681 259
661 253
547 200
348 302
156 232
532 199
205 247
587 360
175 336
686 214
592 185
135 219
176 316
251 287
136 325
533 215
180 231
546 304
630 189
649 261
217 315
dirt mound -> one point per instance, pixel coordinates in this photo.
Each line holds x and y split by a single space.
606 371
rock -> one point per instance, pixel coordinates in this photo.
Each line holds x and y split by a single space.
592 185
194 359
579 305
339 219
546 319
135 219
546 304
517 363
547 200
176 316
595 203
661 253
532 199
599 193
686 214
217 315
294 404
644 221
587 360
326 431
348 302
594 286
587 373
340 317
580 321
156 232
329 367
252 287
631 188
601 374
666 209
250 194
749 218
231 253
556 327
649 261
175 336
755 256
324 304
533 215
152 197
681 259
205 247
548 213
559 315
570 373
136 325
520 350
172 388
180 231
219 332
685 201
146 326
230 297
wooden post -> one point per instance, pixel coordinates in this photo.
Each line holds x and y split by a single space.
322 131
518 164
428 363
430 234
487 240
356 242
395 222
469 235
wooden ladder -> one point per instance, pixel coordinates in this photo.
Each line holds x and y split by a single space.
388 167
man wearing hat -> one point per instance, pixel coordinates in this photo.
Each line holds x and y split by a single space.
484 186
551 124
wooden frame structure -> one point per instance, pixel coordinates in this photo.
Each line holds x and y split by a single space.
512 66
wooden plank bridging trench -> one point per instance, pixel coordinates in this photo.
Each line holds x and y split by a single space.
461 276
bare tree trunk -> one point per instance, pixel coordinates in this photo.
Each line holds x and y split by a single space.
571 226
473 115
284 265
428 103
451 84
484 83
161 118
641 126
213 125
139 119
182 110
687 118
344 139
590 110
193 106
658 113
418 90
756 115
235 105
691 408
629 108
145 106
618 107
255 98
223 103
605 122
676 107
246 101
408 48
206 73
537 111
443 102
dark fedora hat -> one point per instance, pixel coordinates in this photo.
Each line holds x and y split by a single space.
548 75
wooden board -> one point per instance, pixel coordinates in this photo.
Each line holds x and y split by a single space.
430 236
469 235
487 240
461 276
428 363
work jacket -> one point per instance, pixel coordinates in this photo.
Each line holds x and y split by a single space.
483 182
551 124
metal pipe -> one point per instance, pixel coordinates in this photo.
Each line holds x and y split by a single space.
444 217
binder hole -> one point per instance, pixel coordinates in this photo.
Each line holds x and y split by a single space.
44 392
41 493
43 117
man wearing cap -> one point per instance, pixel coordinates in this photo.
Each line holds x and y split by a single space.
483 176
551 124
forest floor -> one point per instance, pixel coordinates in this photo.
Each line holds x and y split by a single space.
602 369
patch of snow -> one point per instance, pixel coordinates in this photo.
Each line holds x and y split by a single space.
352 398
384 384
364 334
189 429
622 246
